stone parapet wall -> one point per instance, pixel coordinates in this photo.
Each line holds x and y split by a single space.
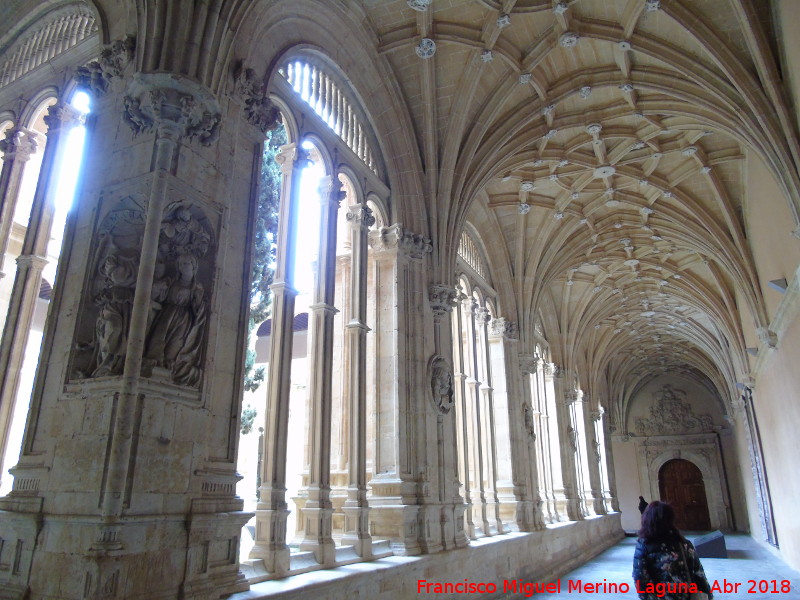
535 557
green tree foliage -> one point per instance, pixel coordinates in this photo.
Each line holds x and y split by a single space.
264 249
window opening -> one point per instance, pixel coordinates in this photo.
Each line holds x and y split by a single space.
65 175
319 90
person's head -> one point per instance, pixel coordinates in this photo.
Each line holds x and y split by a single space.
641 498
658 522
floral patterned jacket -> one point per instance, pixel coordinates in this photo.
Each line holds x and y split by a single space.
659 565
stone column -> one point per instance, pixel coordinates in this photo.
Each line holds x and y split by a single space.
487 409
60 119
568 500
502 428
551 374
527 366
356 508
271 511
17 147
318 511
460 356
443 505
474 458
591 457
576 450
601 489
541 414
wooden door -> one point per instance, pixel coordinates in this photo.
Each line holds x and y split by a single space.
681 484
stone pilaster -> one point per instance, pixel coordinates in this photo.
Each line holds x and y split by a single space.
524 419
399 485
567 501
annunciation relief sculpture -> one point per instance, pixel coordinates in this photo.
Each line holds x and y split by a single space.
176 327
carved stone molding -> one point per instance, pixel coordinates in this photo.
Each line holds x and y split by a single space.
767 337
442 391
96 76
442 298
258 108
502 327
670 414
360 216
395 237
160 101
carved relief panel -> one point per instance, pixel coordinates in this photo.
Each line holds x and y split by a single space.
175 336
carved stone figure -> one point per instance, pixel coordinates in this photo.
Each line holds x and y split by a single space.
528 416
179 307
115 266
176 334
118 274
442 385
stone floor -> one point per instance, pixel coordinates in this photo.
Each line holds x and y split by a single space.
747 562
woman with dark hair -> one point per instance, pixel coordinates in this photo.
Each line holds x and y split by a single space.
665 565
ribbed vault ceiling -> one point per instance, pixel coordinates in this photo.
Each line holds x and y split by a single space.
598 146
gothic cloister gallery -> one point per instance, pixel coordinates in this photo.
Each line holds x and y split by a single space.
533 259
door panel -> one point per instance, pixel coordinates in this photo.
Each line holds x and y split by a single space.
681 484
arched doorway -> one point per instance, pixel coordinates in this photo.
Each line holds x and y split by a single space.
680 483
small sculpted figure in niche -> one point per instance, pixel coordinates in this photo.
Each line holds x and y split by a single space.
528 416
118 275
442 387
176 332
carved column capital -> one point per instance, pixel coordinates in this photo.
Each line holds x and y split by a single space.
553 370
62 116
259 110
96 76
482 315
502 327
330 191
290 157
442 298
360 216
405 243
597 415
528 363
172 105
19 144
